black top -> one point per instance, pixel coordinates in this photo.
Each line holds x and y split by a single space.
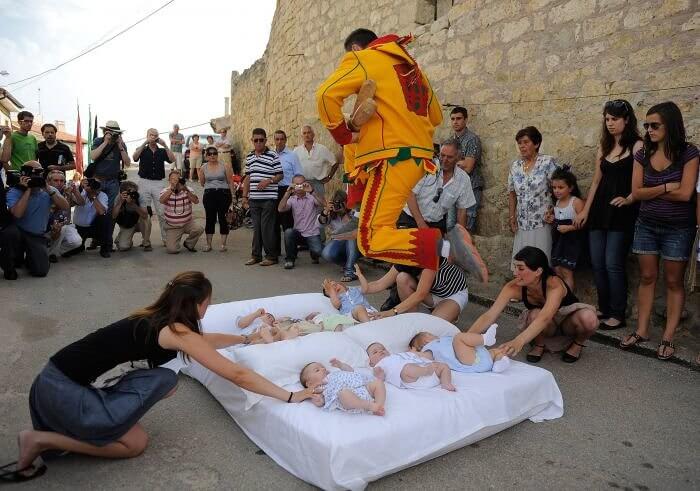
104 349
152 164
568 299
127 218
49 156
5 214
616 181
449 278
109 163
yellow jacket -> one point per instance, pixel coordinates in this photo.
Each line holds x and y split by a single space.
407 109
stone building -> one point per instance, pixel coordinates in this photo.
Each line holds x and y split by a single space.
512 63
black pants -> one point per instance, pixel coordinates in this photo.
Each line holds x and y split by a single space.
263 213
100 230
33 249
216 203
285 218
9 244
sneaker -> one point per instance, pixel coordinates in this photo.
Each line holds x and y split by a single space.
289 265
53 258
147 248
105 253
251 261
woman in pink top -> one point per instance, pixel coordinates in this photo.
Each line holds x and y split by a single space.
195 157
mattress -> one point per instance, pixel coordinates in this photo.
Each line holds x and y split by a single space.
338 450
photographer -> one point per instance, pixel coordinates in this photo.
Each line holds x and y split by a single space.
91 218
9 237
63 237
131 215
151 156
178 199
342 252
29 201
301 199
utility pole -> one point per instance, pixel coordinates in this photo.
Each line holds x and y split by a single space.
39 91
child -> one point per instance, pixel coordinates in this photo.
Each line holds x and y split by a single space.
464 352
350 301
267 329
408 370
345 389
566 239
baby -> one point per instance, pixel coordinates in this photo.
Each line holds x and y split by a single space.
463 352
268 329
346 389
408 370
350 301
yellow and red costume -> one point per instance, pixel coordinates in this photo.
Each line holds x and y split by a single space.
395 146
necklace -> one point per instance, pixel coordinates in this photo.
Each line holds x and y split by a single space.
527 166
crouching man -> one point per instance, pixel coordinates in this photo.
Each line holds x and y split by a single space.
178 199
90 216
131 215
64 239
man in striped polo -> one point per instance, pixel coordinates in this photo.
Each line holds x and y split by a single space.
263 171
177 200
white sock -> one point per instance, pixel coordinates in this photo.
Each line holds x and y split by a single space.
490 335
445 252
356 214
501 365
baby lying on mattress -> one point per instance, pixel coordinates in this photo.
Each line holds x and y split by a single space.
345 389
409 370
464 352
268 329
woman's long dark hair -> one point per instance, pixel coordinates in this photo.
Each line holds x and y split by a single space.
177 303
564 174
534 258
619 108
675 142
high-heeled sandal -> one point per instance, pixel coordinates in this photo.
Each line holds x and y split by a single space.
568 358
535 358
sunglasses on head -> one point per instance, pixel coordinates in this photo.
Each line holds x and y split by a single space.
258 140
617 104
653 126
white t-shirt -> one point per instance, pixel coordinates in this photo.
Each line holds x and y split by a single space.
316 163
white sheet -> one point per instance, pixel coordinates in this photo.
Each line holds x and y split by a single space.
336 450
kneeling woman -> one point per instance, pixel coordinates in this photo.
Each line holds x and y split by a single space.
70 415
554 316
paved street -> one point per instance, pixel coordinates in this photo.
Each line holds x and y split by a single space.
630 422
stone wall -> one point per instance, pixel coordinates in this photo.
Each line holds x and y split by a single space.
492 56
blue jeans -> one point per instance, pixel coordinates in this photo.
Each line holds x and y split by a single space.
608 257
292 236
343 252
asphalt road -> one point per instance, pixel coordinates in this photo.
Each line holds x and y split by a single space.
630 422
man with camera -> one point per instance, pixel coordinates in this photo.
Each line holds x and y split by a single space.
53 154
178 199
91 216
20 146
29 200
151 156
131 215
301 199
64 238
110 157
177 140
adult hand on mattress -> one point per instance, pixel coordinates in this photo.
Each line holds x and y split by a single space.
512 347
380 315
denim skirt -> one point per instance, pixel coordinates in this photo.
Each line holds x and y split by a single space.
96 416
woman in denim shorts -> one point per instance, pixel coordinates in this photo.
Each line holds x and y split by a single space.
663 180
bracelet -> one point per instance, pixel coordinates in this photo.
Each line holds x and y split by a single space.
291 394
246 339
396 312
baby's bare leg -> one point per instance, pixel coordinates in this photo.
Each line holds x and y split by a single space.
377 390
266 334
445 375
359 313
464 351
412 371
291 333
349 400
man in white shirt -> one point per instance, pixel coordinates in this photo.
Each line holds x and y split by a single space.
90 215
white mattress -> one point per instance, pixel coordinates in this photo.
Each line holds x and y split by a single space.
337 450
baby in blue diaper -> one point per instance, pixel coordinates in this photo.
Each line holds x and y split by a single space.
464 352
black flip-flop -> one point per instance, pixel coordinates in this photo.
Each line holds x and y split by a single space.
38 469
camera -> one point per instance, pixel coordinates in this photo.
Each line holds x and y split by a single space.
36 177
337 205
299 186
182 181
134 195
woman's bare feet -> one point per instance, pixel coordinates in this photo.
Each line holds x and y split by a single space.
377 409
29 448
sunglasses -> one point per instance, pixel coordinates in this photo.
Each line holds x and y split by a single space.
653 126
27 121
617 104
436 198
212 154
258 140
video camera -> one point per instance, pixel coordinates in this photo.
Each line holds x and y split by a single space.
35 175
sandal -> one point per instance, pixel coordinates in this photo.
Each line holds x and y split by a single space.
223 248
21 475
206 248
664 346
347 278
568 358
535 358
636 340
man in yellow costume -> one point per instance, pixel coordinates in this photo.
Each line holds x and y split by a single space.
394 148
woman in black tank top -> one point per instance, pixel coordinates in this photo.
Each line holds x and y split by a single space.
554 320
68 414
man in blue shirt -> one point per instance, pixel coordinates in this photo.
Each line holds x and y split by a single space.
30 204
290 168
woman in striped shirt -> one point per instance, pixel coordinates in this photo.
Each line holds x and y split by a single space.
444 291
663 180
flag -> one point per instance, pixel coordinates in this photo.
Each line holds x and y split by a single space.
90 139
94 130
78 148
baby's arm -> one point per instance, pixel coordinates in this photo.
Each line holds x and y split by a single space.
311 316
343 366
318 400
364 285
428 355
247 320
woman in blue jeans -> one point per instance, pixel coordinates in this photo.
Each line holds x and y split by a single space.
663 180
343 252
610 210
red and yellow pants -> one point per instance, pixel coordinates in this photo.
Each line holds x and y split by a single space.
386 190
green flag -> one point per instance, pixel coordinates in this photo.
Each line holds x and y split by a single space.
89 143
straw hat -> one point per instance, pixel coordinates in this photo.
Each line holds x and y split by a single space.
112 126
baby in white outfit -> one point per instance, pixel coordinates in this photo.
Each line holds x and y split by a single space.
408 370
